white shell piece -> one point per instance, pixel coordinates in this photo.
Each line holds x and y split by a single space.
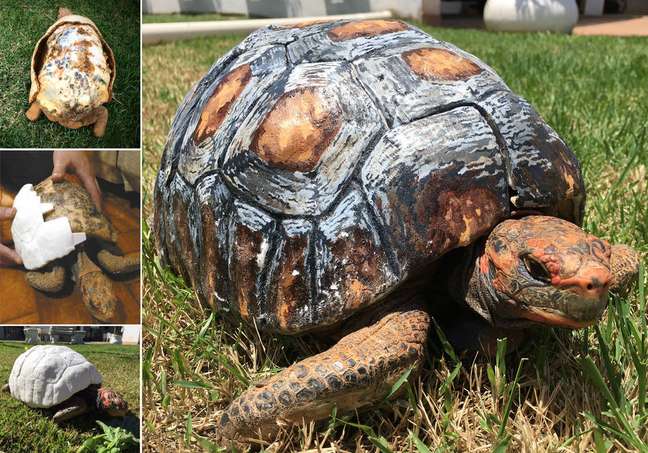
36 241
47 375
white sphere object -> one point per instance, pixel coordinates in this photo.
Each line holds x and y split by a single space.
531 15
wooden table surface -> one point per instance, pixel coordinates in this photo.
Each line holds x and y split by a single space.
21 304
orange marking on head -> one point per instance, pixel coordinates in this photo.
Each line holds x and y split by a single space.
297 130
365 28
220 101
440 64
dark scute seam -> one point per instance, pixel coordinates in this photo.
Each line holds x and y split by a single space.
311 262
266 276
377 225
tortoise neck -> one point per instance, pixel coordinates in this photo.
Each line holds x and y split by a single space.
479 293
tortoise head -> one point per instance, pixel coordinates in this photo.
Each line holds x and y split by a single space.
111 402
544 270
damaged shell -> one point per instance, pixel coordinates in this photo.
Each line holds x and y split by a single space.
316 167
72 72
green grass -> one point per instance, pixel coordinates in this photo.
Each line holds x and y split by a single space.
21 26
562 391
23 429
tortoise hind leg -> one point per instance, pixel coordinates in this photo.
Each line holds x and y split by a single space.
33 112
97 291
359 370
70 408
48 281
117 264
624 264
99 128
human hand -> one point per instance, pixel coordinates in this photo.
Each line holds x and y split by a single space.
8 256
77 162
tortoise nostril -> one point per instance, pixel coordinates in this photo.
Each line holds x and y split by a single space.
590 286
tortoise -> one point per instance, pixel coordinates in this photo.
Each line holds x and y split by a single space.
72 201
356 179
72 74
61 379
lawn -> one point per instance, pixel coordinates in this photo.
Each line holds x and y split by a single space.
575 391
23 429
21 26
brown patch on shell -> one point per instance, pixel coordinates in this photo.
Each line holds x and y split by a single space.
84 64
362 269
440 64
297 130
225 93
209 261
459 218
365 28
292 282
244 268
469 214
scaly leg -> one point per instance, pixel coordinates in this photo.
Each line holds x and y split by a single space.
624 264
70 408
117 264
33 112
97 291
359 370
99 128
48 281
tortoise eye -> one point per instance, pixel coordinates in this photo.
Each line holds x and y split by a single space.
536 269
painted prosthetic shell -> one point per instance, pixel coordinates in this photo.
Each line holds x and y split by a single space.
72 72
314 168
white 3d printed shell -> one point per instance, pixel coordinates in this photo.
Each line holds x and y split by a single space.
38 242
47 375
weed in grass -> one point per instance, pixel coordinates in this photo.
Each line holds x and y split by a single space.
549 395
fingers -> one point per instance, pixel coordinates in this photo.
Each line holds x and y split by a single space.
90 183
7 213
9 257
60 166
77 162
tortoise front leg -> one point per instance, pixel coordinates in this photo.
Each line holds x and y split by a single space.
624 264
34 111
99 128
70 408
5 388
118 264
48 281
97 291
359 370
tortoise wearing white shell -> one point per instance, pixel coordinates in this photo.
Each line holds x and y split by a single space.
355 178
61 379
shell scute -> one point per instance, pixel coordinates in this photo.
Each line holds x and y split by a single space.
437 183
296 164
